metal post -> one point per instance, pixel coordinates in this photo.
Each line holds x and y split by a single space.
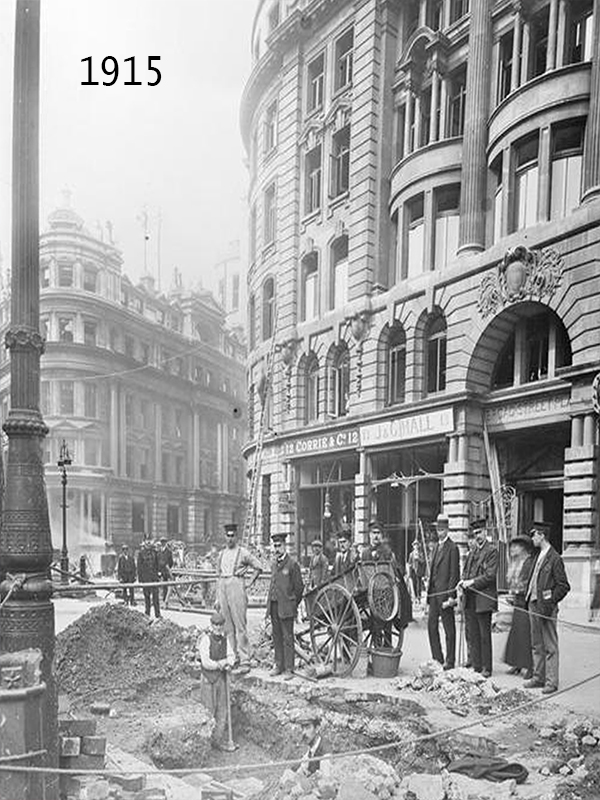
64 460
27 618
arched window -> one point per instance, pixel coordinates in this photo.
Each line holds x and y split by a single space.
310 286
268 308
396 365
338 383
311 390
536 346
252 321
435 354
339 272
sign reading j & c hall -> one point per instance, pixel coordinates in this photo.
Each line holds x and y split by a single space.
431 423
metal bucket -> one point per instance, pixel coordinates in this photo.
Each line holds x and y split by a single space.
385 663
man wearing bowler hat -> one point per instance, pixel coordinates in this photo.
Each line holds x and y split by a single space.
234 562
285 594
441 593
481 598
547 586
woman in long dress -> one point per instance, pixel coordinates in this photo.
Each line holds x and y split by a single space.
518 645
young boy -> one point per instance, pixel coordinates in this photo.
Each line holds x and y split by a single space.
216 659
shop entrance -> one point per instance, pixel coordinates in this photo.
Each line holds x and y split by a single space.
532 461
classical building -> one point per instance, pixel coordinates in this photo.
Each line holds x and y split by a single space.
230 276
147 390
425 250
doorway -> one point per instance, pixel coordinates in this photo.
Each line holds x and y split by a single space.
543 505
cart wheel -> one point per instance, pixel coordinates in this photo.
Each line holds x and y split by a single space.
384 598
336 629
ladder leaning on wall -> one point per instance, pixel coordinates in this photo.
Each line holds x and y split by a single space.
250 535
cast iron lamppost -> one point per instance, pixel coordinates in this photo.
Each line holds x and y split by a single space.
64 461
27 616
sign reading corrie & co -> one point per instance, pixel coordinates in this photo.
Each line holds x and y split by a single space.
322 443
430 423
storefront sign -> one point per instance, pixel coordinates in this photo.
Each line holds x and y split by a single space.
430 423
528 409
320 444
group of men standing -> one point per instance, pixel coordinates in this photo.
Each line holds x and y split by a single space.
477 589
153 566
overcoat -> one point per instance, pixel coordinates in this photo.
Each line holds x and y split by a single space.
286 586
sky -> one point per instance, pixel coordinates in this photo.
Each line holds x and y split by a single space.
171 151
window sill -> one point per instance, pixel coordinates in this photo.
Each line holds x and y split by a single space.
341 90
312 216
314 112
339 200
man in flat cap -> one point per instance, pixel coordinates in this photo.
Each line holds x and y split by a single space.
315 757
548 585
441 593
285 594
216 658
234 563
481 598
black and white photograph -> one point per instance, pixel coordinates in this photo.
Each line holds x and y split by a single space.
299 399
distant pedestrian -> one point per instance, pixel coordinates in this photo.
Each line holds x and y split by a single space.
318 565
126 574
481 598
548 585
441 594
285 594
517 653
147 570
234 563
416 570
216 659
165 564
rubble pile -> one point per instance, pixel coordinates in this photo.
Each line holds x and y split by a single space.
360 777
571 743
114 652
461 689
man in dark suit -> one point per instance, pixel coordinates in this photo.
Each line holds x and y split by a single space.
481 598
345 556
285 594
547 586
441 594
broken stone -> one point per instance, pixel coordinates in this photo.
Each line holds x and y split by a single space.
547 733
181 739
589 740
351 789
565 770
421 787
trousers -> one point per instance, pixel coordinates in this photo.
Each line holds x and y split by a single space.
283 640
544 645
479 636
233 603
436 612
151 597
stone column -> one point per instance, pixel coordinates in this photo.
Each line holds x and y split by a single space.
591 151
474 167
443 107
435 99
543 210
580 520
362 482
407 122
114 429
27 612
562 33
552 29
516 52
525 52
417 115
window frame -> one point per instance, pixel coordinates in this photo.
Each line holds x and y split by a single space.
313 180
270 215
315 83
344 60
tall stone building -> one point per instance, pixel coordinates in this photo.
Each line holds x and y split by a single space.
425 249
147 390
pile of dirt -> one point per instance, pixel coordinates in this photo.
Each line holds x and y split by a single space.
115 652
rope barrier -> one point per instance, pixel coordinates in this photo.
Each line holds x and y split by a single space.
293 762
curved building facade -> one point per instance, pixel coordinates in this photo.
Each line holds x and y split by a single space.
424 247
147 390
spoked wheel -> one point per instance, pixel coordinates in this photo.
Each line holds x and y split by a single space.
380 637
336 629
384 598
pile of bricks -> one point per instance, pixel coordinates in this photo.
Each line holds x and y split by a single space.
80 747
